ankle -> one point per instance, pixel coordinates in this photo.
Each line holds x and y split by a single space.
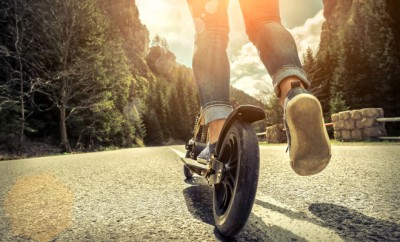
285 87
214 130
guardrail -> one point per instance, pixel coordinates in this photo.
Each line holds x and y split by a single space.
388 119
385 120
264 133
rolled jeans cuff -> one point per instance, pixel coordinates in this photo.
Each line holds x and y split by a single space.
216 110
288 71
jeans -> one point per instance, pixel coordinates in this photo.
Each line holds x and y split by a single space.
276 47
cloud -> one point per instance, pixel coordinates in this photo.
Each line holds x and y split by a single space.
248 73
308 35
170 19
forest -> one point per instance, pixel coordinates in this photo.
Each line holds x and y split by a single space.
357 64
84 75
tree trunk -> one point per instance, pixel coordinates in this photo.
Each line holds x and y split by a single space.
63 91
22 128
17 44
63 130
63 126
22 107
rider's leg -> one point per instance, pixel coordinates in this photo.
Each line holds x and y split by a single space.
309 147
275 44
210 61
214 129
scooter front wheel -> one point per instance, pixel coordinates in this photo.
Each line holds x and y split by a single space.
234 197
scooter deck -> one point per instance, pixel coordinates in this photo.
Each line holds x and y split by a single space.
193 163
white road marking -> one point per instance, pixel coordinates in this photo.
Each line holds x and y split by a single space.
275 214
179 153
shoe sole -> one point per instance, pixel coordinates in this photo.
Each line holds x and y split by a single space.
310 149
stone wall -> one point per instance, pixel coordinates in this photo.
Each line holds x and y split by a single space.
358 125
275 134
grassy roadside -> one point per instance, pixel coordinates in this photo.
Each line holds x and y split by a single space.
339 143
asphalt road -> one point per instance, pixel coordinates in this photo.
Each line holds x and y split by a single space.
141 195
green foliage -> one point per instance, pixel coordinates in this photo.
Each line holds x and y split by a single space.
358 62
78 57
337 103
9 120
274 111
89 72
309 62
171 102
239 97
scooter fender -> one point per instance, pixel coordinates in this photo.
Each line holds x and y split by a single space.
246 113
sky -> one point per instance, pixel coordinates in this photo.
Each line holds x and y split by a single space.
171 19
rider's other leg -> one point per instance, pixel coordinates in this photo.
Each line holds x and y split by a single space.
309 147
276 46
210 62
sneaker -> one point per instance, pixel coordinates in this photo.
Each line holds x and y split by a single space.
308 140
206 153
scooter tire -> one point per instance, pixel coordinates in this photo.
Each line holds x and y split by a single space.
188 173
234 197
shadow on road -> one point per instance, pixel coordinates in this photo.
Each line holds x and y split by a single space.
353 225
198 198
286 212
199 202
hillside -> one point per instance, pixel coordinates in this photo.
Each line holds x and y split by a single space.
358 61
81 75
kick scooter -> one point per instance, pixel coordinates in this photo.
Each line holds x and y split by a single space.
233 168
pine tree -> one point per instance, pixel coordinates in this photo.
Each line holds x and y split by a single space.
274 111
308 62
357 60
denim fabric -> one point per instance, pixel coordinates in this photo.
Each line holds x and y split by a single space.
276 46
216 110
